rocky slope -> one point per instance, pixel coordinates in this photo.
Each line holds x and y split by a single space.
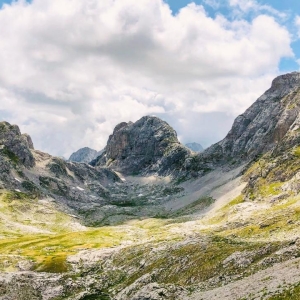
75 187
15 145
84 155
97 196
147 147
196 147
264 124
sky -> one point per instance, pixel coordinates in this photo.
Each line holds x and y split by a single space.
71 70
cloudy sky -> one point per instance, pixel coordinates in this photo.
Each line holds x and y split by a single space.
70 70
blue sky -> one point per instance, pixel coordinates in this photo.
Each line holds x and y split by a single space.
72 70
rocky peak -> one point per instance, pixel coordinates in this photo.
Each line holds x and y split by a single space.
265 124
84 155
16 145
286 82
148 146
28 140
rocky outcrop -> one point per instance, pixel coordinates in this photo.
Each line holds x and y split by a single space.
15 146
264 125
196 147
85 155
148 146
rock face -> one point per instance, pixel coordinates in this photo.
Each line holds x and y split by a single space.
85 155
265 124
15 145
148 146
196 147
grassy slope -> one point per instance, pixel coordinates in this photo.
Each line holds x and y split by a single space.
193 263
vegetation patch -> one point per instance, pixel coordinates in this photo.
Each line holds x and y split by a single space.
290 293
186 264
12 156
198 205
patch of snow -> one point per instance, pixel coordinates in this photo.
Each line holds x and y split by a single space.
79 188
17 179
17 190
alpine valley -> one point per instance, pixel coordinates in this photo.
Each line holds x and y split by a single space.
149 219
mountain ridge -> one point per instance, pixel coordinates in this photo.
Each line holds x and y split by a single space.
168 223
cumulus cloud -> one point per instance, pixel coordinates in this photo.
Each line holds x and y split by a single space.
71 70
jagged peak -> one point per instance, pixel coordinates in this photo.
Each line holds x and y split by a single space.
286 81
17 143
145 146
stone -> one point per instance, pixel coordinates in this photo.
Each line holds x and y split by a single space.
148 146
15 146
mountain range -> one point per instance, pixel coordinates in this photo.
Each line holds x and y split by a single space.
150 218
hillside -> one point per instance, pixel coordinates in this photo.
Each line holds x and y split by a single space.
149 219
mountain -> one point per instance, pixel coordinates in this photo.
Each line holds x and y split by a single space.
84 155
269 124
75 187
150 219
149 146
196 147
264 125
15 145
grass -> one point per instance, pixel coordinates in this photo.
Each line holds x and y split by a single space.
239 199
291 293
222 214
276 221
200 204
20 214
296 151
39 231
49 252
186 264
14 158
25 223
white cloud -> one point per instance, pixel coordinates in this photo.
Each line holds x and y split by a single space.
71 70
215 4
246 6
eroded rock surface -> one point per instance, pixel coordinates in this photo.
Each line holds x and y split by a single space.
264 124
148 146
15 145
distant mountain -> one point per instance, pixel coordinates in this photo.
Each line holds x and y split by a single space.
85 155
196 147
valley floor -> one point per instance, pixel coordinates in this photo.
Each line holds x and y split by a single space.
227 248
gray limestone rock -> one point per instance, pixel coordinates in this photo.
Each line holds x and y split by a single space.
264 125
148 146
15 146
